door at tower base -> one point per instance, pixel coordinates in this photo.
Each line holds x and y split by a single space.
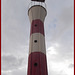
39 0
37 64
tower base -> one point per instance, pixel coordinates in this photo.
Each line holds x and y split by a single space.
37 64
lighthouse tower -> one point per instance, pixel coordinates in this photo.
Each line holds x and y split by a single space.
37 63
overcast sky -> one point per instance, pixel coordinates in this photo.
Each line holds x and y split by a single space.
59 37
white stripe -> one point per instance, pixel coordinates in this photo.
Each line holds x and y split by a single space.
39 46
37 12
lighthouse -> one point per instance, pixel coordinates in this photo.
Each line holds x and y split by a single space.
37 61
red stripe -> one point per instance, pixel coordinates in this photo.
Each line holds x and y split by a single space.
37 64
0 36
37 29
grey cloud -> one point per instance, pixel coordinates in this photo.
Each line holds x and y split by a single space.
66 18
3 73
62 34
64 23
10 62
15 29
51 72
20 72
15 26
71 66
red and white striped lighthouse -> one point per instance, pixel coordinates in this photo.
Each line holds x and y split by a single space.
37 63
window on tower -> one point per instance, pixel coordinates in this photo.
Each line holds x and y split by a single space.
35 64
35 25
35 41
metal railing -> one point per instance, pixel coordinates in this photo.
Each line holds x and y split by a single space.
37 3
